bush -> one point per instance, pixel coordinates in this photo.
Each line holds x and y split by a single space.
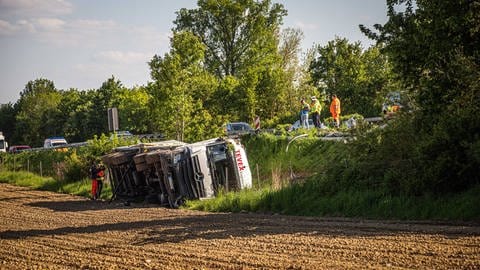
406 158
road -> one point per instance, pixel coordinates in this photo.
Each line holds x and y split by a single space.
44 230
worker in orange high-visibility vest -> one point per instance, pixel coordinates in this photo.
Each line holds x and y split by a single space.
97 174
335 110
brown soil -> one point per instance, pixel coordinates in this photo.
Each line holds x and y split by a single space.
44 230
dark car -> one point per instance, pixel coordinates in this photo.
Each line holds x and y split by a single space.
238 128
18 148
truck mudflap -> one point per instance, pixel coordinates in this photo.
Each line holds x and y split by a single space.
171 174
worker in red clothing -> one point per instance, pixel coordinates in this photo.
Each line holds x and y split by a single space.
97 174
335 110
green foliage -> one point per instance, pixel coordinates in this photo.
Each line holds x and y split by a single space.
74 167
328 121
43 111
181 89
245 200
37 107
359 78
371 204
45 163
435 51
272 164
241 44
67 171
338 183
132 105
7 120
232 31
294 84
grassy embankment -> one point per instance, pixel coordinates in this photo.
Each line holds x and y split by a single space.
313 178
300 182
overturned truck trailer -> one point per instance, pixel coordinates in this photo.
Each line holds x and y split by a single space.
169 172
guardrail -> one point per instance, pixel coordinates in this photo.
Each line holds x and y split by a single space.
156 136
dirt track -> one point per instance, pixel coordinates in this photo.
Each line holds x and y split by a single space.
40 230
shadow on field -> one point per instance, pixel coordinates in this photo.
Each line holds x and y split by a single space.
174 229
84 205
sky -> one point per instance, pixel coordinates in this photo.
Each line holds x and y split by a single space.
80 43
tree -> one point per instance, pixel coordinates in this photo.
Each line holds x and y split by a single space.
431 48
83 114
37 104
231 30
181 88
75 110
434 47
359 78
7 121
133 111
101 101
36 87
285 79
240 39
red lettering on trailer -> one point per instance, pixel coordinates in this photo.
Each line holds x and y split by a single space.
238 157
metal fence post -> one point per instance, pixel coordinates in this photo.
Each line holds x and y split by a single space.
258 177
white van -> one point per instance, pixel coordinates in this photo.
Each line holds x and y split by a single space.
53 142
3 143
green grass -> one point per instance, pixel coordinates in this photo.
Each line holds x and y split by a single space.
330 191
245 200
27 179
296 200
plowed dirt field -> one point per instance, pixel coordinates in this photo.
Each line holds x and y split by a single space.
44 230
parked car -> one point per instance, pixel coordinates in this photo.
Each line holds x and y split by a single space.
18 148
238 128
53 142
297 125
